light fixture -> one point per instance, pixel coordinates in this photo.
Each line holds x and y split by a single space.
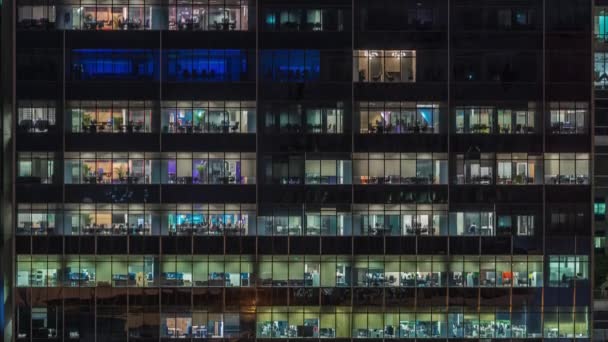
402 53
371 54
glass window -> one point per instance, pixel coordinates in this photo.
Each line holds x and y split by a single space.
291 65
398 117
207 65
516 121
475 168
35 167
304 20
384 65
569 117
38 219
328 172
150 168
36 116
404 168
112 64
224 15
517 224
600 24
519 169
601 70
105 16
108 168
565 271
325 120
400 220
35 15
208 117
472 223
288 169
567 168
475 120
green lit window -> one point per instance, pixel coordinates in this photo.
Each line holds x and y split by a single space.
599 209
599 241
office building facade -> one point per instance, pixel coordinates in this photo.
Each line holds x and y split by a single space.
600 324
272 169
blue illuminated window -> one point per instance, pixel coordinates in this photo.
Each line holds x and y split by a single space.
291 65
207 65
100 64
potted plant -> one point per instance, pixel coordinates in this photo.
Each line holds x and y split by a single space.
86 220
122 173
86 122
201 171
139 126
117 123
199 118
86 172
